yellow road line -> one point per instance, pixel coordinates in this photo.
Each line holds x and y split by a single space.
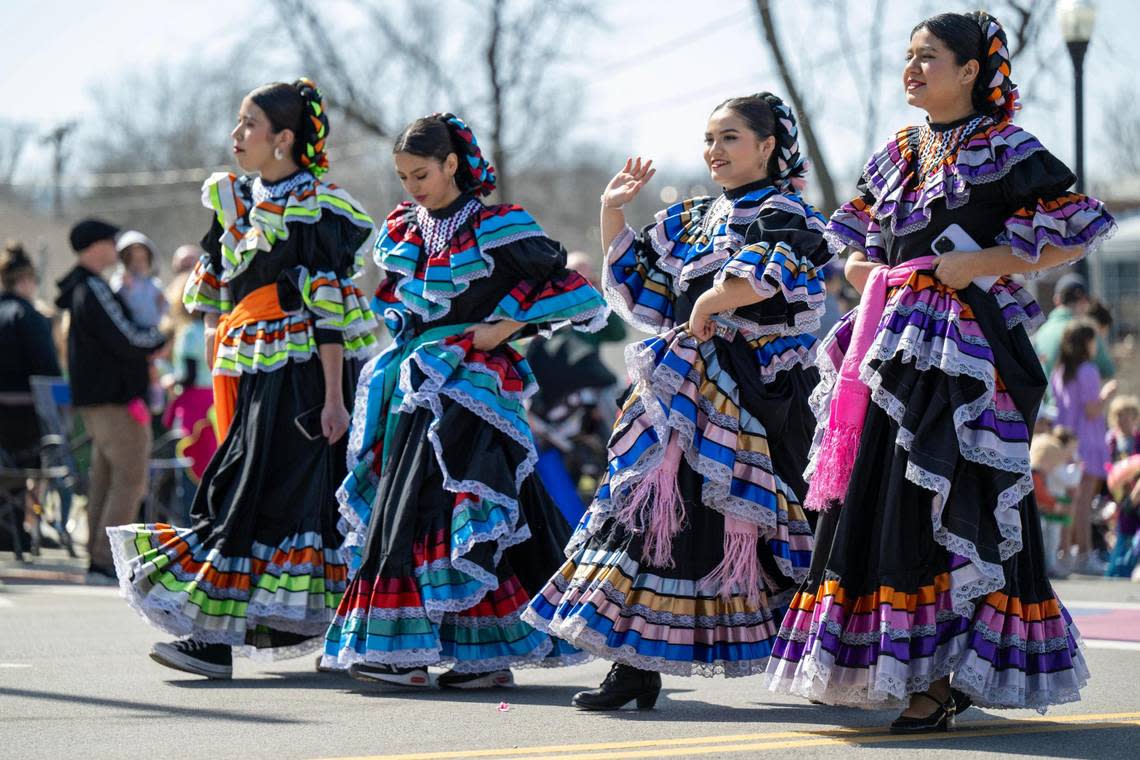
706 745
760 746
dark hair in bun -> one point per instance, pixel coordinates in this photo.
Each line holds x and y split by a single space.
300 107
768 116
979 37
14 264
438 136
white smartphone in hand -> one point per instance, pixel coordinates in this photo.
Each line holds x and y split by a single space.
954 238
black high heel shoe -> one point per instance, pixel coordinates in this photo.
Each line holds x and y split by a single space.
623 684
941 719
962 701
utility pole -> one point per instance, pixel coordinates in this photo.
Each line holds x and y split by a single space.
57 140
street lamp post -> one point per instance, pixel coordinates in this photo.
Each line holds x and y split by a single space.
1077 18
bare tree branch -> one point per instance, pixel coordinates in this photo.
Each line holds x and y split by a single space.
509 85
13 139
1122 131
1023 22
307 30
815 151
866 84
420 50
495 80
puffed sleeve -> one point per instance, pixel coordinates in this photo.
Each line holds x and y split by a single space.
636 285
782 260
331 254
547 294
852 225
205 292
1042 211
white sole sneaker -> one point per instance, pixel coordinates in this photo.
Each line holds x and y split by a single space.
165 654
501 679
322 668
416 678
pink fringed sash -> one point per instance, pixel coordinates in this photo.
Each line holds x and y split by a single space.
655 508
836 458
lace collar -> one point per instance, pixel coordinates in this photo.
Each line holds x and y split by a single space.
437 227
263 191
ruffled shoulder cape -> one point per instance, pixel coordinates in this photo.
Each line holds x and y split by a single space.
769 238
426 281
317 294
1033 181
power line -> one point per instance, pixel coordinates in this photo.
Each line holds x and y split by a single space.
823 61
681 40
171 177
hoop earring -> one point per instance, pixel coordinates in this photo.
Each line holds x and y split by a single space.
278 154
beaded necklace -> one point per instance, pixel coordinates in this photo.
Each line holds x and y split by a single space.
936 147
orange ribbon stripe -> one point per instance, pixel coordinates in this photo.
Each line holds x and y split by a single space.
261 305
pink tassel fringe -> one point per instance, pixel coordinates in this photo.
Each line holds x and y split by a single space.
655 506
740 568
834 466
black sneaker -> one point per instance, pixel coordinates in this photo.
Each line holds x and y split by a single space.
490 680
373 672
214 661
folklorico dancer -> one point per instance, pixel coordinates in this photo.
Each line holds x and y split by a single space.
696 534
452 528
261 567
929 569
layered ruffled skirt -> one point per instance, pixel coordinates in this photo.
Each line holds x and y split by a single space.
261 567
450 527
933 564
739 410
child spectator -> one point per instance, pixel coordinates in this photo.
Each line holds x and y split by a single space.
1101 316
1124 485
1081 401
135 282
1047 456
188 380
1123 428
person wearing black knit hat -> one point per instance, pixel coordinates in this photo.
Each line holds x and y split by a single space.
260 567
697 529
452 526
928 587
107 360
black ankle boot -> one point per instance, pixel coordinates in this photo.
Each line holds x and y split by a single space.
622 685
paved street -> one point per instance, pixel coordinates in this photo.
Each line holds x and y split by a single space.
75 681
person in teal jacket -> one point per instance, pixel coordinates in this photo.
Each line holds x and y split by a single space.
1070 300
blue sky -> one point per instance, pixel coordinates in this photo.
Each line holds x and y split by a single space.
650 76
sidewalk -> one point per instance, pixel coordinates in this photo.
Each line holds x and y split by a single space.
52 566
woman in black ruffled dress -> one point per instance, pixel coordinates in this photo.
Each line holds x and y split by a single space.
929 570
261 566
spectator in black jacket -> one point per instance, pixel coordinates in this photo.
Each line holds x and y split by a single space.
26 349
107 357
